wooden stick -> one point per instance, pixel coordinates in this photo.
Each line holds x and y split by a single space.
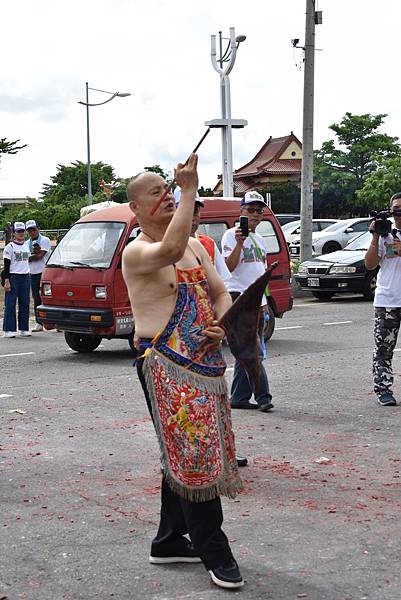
168 190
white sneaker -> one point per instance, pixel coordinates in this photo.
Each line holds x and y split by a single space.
25 333
9 334
38 327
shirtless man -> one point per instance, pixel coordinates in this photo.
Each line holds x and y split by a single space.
176 297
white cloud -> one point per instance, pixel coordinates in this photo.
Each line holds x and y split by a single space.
160 52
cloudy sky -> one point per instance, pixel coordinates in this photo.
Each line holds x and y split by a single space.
160 52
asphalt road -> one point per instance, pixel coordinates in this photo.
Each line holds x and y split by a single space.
320 514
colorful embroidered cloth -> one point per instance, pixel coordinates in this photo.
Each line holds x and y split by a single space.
189 398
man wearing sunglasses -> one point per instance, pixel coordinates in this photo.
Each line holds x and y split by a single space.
246 259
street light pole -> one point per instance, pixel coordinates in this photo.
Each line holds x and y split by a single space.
88 146
88 104
226 123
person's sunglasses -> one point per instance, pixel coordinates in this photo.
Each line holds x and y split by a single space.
251 210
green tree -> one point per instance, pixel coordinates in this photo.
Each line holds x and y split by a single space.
205 192
285 196
10 147
158 169
342 165
71 181
380 185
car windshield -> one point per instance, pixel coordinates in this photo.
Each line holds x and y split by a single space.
337 226
290 226
360 243
89 245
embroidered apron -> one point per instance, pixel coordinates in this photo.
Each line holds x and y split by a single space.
190 404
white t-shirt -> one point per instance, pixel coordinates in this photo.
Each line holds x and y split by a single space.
252 263
220 265
388 287
37 266
18 254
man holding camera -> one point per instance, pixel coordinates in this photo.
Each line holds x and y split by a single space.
39 246
245 253
385 251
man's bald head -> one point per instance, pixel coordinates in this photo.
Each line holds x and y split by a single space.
144 191
135 184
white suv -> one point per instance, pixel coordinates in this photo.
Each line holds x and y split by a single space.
334 237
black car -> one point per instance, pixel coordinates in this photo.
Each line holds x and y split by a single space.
339 272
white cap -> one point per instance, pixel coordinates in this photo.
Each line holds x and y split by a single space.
252 197
18 225
177 196
30 223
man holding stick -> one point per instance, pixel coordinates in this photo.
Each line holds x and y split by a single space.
177 298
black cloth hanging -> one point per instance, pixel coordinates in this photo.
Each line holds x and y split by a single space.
240 322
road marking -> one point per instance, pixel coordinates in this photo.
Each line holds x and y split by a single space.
6 395
396 350
306 304
16 354
290 327
338 323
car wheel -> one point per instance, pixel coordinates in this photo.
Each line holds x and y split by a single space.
269 325
370 285
330 247
323 295
82 342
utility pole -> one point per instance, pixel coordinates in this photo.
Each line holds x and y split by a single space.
312 17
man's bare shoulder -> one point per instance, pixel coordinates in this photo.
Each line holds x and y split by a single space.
134 249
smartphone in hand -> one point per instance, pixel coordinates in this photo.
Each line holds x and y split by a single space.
244 226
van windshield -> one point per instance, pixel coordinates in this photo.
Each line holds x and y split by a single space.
89 245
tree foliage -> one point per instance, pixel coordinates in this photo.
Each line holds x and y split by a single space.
158 169
343 164
62 199
285 196
380 185
71 181
10 147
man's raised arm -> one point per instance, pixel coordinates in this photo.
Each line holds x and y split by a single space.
141 257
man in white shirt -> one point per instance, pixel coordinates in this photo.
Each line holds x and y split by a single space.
40 247
246 260
385 251
16 284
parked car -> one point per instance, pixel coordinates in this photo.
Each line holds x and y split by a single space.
334 237
339 272
82 288
284 218
293 229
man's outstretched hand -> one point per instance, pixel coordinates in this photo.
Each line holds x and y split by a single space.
186 175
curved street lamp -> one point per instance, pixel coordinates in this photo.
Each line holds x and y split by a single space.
88 104
226 123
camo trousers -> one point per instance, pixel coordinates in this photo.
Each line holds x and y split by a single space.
387 324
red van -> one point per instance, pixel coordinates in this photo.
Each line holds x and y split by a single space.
82 288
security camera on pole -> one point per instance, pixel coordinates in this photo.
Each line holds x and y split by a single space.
226 123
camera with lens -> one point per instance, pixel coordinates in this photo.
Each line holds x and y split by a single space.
381 220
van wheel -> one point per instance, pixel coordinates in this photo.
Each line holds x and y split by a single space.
269 325
370 285
82 342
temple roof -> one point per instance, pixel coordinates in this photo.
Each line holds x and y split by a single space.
267 159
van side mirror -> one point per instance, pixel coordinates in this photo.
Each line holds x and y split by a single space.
349 230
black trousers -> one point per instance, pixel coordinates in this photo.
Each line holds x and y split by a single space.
201 520
35 287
